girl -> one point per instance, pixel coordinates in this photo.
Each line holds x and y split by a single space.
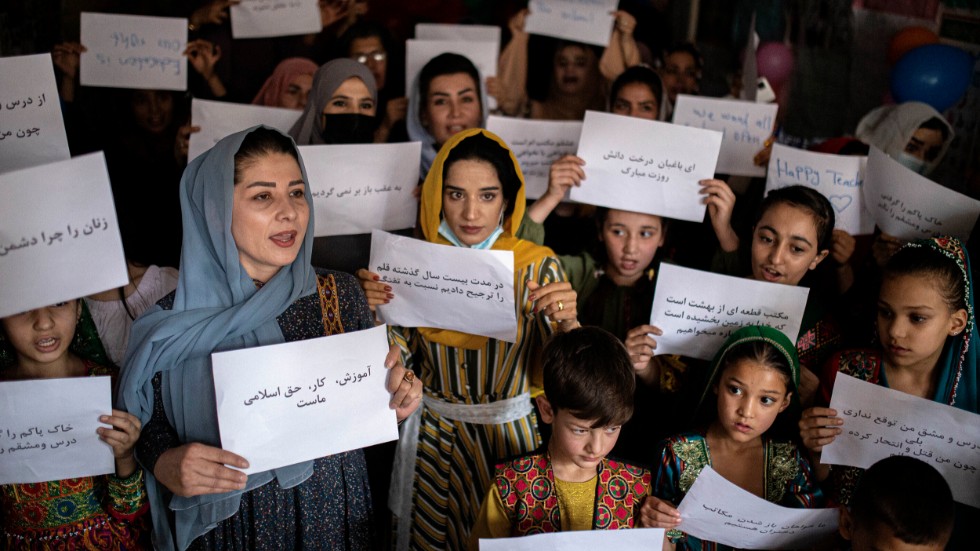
928 343
747 439
102 512
477 410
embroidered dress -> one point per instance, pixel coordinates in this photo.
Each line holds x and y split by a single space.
91 513
476 409
788 478
527 499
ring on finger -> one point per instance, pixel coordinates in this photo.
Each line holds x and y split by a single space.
409 377
561 306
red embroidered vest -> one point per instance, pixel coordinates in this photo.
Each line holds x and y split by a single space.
527 488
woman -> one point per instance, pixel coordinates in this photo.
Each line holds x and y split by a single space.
576 83
341 108
245 280
447 97
639 92
289 85
478 410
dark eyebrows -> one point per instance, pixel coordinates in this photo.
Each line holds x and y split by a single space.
273 184
764 391
793 237
450 187
458 92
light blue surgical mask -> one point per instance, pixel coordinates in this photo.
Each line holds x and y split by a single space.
914 164
446 232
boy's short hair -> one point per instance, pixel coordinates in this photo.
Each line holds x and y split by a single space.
907 496
588 373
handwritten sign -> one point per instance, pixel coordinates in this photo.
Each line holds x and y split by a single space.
909 206
446 287
716 510
447 31
536 144
588 21
839 178
880 422
288 403
47 429
482 54
744 128
128 51
219 119
264 18
32 131
698 310
645 166
639 539
359 188
59 238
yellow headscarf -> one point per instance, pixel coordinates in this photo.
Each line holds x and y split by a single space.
525 252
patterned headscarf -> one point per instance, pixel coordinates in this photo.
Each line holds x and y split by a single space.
957 384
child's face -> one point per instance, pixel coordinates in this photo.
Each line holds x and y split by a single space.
44 334
631 240
914 321
576 448
750 396
785 245
878 537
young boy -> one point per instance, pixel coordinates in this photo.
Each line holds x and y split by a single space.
589 385
900 504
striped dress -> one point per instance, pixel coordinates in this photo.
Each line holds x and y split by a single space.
456 460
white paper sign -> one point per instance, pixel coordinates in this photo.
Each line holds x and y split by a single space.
536 144
446 31
446 287
264 18
32 131
839 178
645 166
288 403
880 422
744 127
47 429
638 539
59 238
698 310
909 206
129 51
482 54
363 187
587 21
219 119
716 510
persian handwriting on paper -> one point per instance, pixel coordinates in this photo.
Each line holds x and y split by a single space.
48 238
313 397
491 293
29 439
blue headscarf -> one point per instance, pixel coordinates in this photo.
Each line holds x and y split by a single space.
217 307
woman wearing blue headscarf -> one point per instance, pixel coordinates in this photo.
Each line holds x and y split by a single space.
245 281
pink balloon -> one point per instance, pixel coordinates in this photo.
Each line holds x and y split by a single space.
775 62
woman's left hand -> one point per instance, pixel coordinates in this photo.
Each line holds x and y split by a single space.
121 438
404 386
842 246
203 55
557 301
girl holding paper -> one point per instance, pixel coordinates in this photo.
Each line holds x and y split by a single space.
99 512
748 438
477 409
245 281
928 348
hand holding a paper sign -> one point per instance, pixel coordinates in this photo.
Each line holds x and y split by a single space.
557 301
404 386
196 469
375 291
122 439
564 174
516 23
818 428
657 513
721 202
213 13
641 347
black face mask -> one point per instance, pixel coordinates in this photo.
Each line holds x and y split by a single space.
348 128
